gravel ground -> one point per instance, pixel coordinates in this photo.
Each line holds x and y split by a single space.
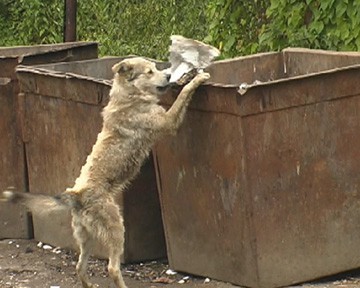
23 264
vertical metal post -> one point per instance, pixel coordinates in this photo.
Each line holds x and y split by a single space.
70 21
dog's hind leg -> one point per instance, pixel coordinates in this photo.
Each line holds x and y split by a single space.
81 266
114 267
85 243
115 245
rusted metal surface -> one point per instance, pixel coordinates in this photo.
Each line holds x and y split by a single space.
269 180
14 222
62 120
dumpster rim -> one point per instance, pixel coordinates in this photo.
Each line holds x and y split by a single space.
56 47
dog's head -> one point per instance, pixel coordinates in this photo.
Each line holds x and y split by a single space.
141 75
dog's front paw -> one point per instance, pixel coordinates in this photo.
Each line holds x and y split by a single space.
196 82
202 77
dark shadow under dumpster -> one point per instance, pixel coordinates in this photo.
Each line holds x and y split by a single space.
260 188
62 104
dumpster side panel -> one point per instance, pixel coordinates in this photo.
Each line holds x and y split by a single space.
303 167
67 88
58 135
203 196
8 67
14 221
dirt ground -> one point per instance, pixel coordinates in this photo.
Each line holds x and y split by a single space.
26 264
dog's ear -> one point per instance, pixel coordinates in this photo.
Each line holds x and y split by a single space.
121 67
124 69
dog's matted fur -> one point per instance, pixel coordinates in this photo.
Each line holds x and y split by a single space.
132 121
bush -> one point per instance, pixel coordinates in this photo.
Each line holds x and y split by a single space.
143 27
234 27
31 22
325 24
138 26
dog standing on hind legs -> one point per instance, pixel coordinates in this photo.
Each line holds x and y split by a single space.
132 122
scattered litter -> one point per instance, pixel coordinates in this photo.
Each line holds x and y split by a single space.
54 286
17 245
47 247
40 244
56 250
207 280
184 280
170 272
11 242
243 88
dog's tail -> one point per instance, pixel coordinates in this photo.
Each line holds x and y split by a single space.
38 202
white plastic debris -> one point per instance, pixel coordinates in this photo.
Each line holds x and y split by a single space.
207 280
184 280
47 247
54 286
40 244
243 88
56 250
11 242
170 272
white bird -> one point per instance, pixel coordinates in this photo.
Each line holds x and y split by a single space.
187 55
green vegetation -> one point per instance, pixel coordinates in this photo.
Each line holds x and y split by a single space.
143 27
325 24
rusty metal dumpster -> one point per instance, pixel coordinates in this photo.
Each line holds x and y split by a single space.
261 188
14 221
62 105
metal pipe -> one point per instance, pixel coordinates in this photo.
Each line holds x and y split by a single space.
70 21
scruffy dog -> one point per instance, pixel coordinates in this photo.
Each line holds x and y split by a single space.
132 122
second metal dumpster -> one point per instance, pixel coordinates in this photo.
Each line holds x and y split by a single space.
13 220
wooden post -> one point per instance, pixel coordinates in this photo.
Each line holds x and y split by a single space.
70 21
